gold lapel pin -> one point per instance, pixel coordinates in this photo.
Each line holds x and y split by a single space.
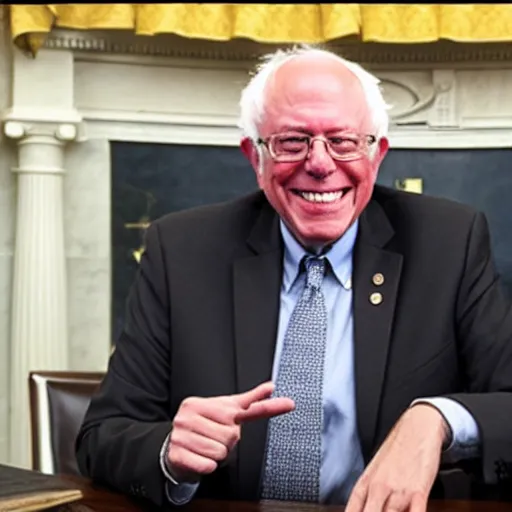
376 298
378 279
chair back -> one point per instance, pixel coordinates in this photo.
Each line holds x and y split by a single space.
58 403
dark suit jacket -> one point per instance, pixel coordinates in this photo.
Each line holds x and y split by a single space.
202 317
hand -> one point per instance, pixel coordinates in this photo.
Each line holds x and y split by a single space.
400 476
205 430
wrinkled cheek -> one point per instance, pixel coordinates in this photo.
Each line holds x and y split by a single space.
281 174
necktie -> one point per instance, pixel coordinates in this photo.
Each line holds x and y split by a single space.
294 446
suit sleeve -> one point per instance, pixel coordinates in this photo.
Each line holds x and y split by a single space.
484 320
129 419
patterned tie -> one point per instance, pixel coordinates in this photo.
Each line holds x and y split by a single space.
294 446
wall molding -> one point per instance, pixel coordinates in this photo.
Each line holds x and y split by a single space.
195 131
169 45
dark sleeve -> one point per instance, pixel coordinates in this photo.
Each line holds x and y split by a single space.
484 319
128 420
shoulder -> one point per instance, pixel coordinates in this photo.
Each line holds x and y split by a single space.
429 225
224 222
405 207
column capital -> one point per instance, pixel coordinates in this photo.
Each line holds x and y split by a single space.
64 126
41 134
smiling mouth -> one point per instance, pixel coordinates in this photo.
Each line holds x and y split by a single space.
321 197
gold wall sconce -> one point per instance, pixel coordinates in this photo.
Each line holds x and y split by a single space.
137 253
414 185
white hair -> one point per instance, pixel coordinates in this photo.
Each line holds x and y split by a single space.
252 100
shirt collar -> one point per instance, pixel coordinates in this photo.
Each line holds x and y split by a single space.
339 256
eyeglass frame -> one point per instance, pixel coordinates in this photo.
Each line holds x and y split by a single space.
367 139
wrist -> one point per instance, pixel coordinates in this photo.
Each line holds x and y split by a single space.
180 477
176 476
165 464
434 417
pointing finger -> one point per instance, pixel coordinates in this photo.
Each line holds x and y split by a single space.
266 409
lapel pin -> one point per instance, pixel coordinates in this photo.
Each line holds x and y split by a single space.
376 298
378 279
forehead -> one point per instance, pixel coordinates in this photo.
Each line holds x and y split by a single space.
317 93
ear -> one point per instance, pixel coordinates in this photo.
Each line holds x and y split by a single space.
251 153
381 151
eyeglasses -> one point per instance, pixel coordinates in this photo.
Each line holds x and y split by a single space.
294 147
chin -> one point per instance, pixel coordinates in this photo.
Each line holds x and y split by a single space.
326 237
318 241
320 233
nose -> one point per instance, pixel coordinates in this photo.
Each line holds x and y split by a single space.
319 162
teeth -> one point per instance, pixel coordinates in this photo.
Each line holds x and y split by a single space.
327 197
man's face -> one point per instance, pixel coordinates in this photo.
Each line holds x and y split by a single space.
317 97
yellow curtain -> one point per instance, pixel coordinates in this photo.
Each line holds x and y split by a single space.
269 23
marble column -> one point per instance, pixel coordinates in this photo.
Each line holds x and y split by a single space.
39 303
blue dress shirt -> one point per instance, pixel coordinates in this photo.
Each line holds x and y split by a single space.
342 460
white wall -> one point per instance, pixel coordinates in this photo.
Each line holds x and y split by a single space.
87 237
7 215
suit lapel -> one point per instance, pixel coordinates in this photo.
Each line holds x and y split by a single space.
257 280
373 320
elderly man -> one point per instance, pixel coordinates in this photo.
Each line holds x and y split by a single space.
324 339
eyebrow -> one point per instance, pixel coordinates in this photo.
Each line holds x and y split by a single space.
290 128
301 129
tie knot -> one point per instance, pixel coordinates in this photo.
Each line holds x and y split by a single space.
315 268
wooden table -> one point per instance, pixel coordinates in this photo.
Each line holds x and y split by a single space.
97 499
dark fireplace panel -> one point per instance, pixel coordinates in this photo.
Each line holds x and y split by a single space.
150 180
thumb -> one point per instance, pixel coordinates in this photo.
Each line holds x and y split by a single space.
256 394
